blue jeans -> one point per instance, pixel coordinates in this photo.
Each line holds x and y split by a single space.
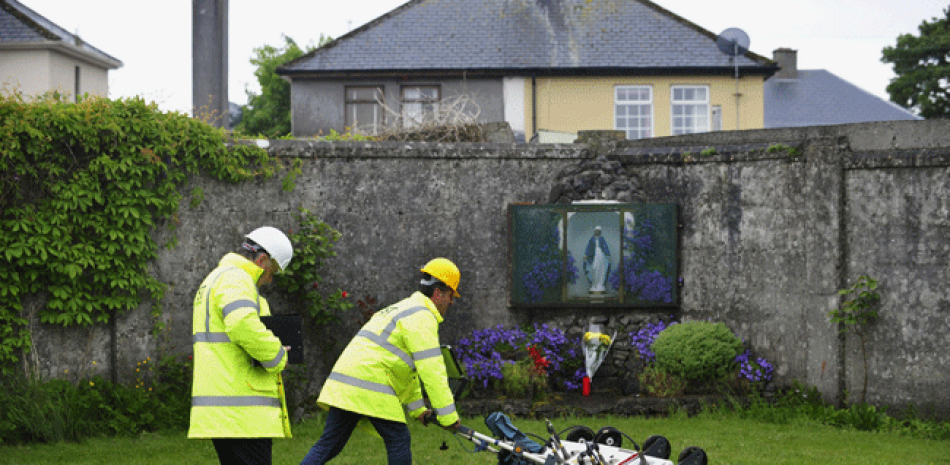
336 433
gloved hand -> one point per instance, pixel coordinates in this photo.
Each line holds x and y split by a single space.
427 417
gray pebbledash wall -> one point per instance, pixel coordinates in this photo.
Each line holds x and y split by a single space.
768 237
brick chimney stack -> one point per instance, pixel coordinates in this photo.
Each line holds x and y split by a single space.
787 60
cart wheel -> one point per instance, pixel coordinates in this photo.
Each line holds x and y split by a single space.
609 436
692 455
657 446
580 434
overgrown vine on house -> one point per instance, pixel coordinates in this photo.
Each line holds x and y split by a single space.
82 185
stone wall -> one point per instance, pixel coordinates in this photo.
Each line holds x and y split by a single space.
768 237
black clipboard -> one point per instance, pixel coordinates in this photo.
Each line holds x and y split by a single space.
289 329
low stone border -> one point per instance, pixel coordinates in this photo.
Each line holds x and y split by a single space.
575 405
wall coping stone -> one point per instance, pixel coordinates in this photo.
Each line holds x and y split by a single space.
302 148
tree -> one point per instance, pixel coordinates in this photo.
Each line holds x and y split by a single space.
922 65
268 114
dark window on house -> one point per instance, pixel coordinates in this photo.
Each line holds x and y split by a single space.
419 104
76 92
364 109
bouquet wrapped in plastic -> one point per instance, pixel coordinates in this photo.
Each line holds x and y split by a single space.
596 345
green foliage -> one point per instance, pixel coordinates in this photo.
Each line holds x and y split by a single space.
313 244
82 185
793 152
856 313
58 410
346 136
522 380
922 64
708 152
697 351
268 113
659 383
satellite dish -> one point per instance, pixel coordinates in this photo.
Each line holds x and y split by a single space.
733 42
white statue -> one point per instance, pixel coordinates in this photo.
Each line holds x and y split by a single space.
597 262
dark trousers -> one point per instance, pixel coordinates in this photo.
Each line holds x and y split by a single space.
243 451
336 433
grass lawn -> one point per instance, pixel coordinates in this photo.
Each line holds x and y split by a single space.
726 439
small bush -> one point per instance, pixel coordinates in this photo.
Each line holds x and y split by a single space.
522 380
697 351
658 383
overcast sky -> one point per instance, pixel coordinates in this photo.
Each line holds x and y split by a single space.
153 37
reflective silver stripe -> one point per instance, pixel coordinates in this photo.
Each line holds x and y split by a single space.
402 314
275 361
362 384
238 304
380 341
210 337
445 410
416 405
428 353
235 401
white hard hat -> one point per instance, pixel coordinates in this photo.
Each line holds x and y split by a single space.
275 243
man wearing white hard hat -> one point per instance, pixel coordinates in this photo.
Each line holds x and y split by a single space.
377 378
237 403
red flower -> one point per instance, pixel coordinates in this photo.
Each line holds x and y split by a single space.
344 294
540 363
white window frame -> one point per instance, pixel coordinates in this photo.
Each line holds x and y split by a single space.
416 109
689 113
352 104
642 108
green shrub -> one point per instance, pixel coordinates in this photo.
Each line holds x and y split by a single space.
658 383
522 380
697 351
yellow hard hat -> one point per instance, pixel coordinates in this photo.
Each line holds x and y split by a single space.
444 270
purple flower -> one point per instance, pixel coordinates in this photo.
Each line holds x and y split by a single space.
481 352
756 371
643 339
641 277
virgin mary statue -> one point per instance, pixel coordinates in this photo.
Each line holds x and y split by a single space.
597 262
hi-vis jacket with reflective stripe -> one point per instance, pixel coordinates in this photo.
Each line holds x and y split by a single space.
232 398
380 369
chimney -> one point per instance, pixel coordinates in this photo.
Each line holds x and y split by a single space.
787 60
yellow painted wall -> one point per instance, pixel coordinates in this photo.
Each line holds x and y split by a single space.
568 104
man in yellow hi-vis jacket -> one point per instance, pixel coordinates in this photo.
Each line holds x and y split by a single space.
378 375
237 403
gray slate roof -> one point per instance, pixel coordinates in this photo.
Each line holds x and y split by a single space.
818 97
632 36
22 26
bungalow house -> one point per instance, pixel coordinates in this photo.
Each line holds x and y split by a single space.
37 56
541 65
817 97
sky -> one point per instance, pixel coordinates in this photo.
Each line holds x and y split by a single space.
153 37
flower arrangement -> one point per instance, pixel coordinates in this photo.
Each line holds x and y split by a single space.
642 276
596 345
